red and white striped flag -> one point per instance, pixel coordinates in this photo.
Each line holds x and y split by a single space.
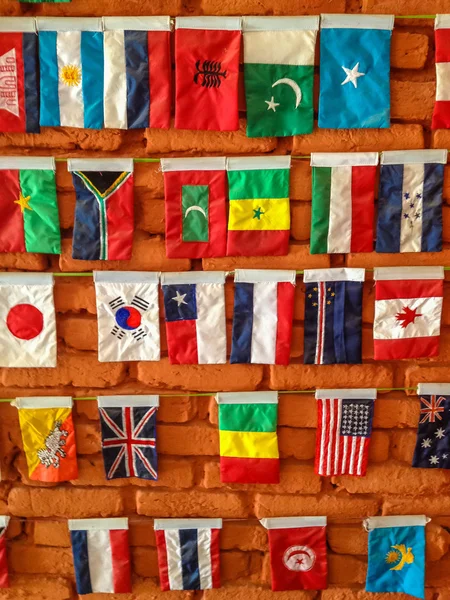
441 113
344 427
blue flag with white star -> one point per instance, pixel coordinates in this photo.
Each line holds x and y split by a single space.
433 436
354 71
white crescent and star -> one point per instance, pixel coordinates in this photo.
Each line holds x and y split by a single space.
271 104
299 558
352 75
195 208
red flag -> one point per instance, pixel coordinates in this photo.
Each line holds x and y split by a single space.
441 112
4 575
298 552
206 73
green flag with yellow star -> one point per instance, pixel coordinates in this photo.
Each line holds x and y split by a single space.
29 220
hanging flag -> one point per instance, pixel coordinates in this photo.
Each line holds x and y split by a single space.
137 77
127 315
279 74
333 316
48 437
19 85
343 201
104 212
298 552
410 201
441 113
28 205
259 220
188 553
248 437
128 425
194 306
27 320
263 316
101 555
4 573
71 72
408 307
396 554
355 55
344 428
433 434
196 194
207 51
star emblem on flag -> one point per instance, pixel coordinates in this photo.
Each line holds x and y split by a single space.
23 202
258 212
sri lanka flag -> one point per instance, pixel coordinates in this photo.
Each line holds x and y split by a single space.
28 205
19 87
71 72
137 72
104 213
248 437
441 113
259 218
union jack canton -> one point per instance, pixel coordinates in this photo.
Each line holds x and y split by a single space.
433 435
128 425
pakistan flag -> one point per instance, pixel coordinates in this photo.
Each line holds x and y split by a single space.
279 74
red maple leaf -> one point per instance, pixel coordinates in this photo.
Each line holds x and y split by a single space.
407 316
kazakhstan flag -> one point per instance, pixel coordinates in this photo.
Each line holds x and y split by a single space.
396 555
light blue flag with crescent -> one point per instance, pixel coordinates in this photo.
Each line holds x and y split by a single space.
354 71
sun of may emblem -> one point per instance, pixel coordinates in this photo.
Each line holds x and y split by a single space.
71 75
399 557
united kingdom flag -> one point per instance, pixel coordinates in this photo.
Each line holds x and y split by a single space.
128 438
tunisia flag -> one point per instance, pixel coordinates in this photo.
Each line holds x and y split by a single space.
298 552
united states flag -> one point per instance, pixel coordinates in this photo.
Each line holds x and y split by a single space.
343 431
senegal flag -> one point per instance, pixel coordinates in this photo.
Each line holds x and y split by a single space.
248 437
259 218
279 74
48 437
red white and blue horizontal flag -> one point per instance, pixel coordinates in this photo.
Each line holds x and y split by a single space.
101 555
188 553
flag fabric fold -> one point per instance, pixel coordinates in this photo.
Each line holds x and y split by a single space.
101 555
194 306
259 218
263 316
48 437
410 201
344 429
408 308
27 320
248 437
279 74
188 553
207 51
441 112
104 212
71 72
354 71
396 554
333 316
298 552
4 571
137 72
195 192
127 315
343 202
128 427
28 205
433 439
19 82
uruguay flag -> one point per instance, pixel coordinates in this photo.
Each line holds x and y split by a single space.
71 72
194 305
101 555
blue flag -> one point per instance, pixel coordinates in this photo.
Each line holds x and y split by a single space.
410 201
354 71
333 316
433 435
396 555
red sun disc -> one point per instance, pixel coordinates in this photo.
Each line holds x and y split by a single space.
25 321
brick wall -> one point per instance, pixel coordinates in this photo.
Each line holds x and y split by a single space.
39 553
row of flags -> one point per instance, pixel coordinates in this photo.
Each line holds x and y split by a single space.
407 323
247 434
189 554
115 72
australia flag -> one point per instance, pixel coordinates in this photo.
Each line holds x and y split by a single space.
433 436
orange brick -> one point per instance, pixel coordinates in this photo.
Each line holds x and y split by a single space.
416 259
79 333
149 214
297 410
412 100
191 504
87 437
341 505
408 50
346 570
300 180
347 539
188 440
403 444
35 587
253 592
51 533
296 443
431 374
33 559
74 294
410 7
285 7
145 562
393 409
243 536
379 447
234 565
300 221
149 177
402 505
23 261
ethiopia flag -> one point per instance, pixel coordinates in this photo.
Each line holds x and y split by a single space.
30 221
279 74
248 437
259 218
48 437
